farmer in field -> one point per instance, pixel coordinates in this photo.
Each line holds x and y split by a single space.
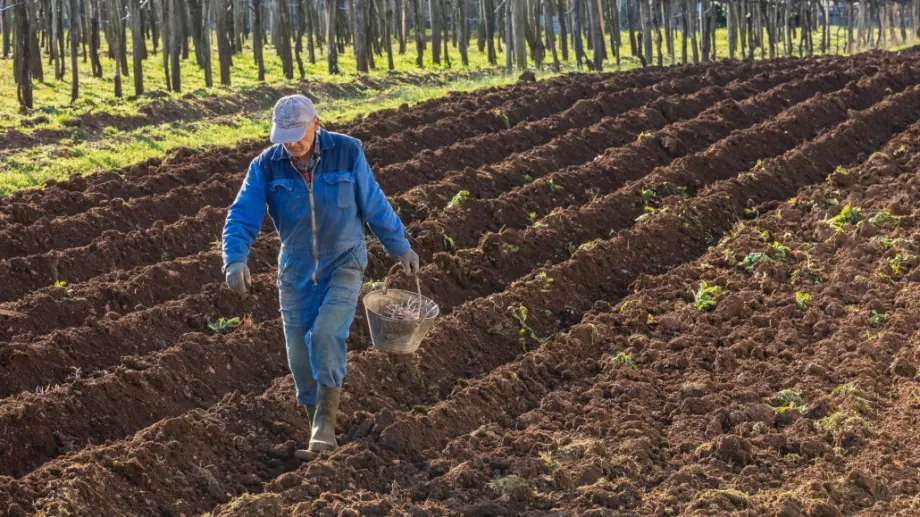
320 192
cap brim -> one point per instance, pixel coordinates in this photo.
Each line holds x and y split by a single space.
287 135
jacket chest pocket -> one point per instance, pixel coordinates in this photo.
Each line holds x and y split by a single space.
340 188
285 199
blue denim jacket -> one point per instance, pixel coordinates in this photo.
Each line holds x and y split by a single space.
315 229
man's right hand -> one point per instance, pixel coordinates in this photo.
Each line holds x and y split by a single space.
238 277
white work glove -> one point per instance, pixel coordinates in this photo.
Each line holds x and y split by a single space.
238 277
409 261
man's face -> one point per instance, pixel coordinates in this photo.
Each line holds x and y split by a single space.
301 147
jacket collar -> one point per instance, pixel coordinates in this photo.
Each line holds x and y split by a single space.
325 142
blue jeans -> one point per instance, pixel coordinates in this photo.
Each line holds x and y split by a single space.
316 332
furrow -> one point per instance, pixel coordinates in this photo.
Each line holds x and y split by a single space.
183 167
619 436
505 256
432 165
228 437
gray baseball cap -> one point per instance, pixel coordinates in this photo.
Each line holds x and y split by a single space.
290 118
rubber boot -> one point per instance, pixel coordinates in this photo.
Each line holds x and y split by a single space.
327 409
304 454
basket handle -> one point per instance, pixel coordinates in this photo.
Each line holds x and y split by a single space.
418 287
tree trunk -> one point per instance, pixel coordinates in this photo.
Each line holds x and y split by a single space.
387 35
332 60
175 44
166 24
481 26
770 29
489 21
445 27
615 30
22 58
682 5
550 41
122 36
57 56
301 27
434 12
114 22
518 27
631 27
194 28
360 36
732 28
284 40
649 29
311 31
534 41
577 29
5 18
704 29
597 35
137 42
669 35
657 28
257 38
694 29
204 28
93 24
182 7
223 41
74 22
463 28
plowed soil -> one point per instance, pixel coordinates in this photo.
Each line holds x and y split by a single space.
682 291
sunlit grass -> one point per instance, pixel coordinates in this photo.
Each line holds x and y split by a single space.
117 149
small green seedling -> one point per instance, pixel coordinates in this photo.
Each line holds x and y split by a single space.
518 313
590 245
649 212
845 389
877 319
847 215
553 187
778 251
899 260
449 243
458 199
752 259
884 216
624 359
527 178
546 280
512 248
705 296
223 324
60 284
802 300
789 400
884 240
789 396
648 194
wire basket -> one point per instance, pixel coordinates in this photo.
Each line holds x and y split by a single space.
398 336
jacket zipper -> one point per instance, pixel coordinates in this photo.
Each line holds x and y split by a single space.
313 224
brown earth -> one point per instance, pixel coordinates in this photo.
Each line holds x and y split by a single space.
578 368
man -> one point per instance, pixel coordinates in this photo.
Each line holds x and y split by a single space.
320 192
